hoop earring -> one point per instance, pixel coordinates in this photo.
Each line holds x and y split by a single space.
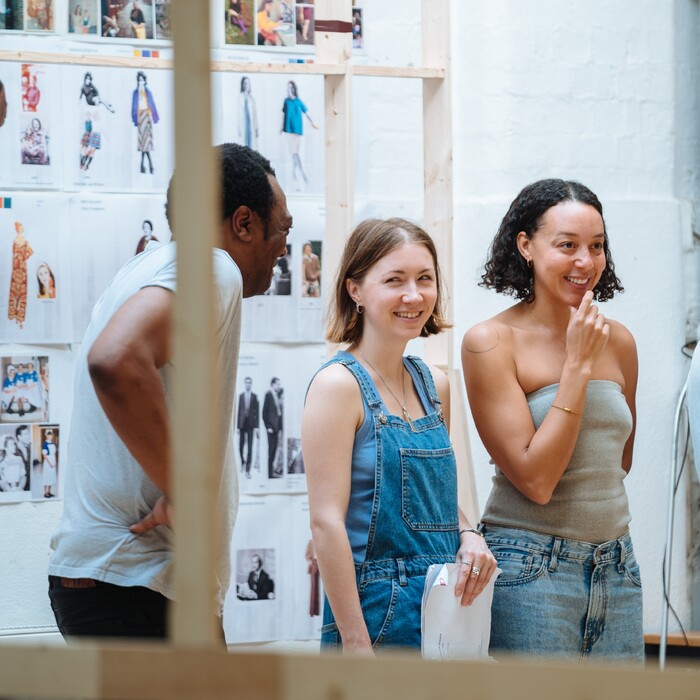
529 263
360 308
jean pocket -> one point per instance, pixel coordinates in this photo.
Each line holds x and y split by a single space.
429 489
518 566
632 569
378 602
330 637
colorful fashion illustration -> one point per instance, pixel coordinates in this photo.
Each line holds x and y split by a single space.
293 126
31 95
90 142
21 252
144 115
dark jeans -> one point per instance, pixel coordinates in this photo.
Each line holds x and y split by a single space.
97 609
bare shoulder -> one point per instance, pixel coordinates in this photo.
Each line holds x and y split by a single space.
336 381
488 335
621 339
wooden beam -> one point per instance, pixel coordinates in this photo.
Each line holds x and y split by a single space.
334 48
197 225
147 672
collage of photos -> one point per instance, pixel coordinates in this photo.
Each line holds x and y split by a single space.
265 24
268 416
276 590
28 445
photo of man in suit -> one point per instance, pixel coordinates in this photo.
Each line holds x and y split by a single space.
247 423
24 441
273 419
259 580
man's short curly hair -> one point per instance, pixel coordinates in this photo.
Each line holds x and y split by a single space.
244 182
506 270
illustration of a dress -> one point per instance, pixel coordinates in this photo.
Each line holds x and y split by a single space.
144 115
17 307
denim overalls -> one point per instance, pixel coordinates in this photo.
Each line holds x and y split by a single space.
414 520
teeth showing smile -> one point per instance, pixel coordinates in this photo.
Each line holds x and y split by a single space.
407 314
577 280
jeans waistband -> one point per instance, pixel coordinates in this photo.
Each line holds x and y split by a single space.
614 551
400 568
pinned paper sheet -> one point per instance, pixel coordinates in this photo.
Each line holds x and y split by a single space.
451 630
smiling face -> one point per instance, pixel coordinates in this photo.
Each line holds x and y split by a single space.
44 275
567 252
398 292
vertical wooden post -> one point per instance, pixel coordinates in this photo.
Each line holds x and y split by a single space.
336 48
439 219
196 214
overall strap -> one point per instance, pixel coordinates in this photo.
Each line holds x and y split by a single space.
427 378
366 385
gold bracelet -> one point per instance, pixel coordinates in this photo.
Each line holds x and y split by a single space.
566 409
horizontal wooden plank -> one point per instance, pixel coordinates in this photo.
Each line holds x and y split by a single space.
148 671
691 639
89 59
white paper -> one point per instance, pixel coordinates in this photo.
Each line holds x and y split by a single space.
451 630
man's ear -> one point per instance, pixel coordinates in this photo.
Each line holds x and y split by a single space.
242 223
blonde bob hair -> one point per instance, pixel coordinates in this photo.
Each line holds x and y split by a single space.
371 240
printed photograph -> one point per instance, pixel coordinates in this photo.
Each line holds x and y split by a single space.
275 23
127 19
239 22
12 14
281 284
44 479
15 459
255 574
83 17
25 389
39 15
311 269
305 23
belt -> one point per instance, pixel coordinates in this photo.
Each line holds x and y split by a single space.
78 582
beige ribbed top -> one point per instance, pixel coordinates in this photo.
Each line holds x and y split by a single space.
589 502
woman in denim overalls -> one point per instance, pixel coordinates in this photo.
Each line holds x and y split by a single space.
381 472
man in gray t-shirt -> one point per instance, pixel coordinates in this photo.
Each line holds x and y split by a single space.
111 568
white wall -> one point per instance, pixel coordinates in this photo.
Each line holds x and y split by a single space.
587 91
605 93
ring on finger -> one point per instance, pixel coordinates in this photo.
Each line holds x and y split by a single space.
475 570
465 562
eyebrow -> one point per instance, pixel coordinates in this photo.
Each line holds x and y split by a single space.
578 235
403 272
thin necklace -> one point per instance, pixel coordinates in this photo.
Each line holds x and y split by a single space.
404 410
546 325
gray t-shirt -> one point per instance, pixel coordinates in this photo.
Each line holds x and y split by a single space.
106 490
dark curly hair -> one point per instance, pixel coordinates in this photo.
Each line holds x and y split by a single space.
244 182
506 270
371 240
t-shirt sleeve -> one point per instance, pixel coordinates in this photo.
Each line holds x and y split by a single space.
164 277
303 106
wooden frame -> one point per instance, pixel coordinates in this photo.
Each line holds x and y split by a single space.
192 665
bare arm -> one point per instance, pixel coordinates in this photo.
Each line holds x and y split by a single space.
533 460
332 414
626 352
123 364
472 547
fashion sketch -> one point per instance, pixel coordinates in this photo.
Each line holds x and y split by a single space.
248 131
21 252
89 91
144 115
90 142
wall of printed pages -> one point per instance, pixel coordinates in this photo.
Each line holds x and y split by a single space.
82 186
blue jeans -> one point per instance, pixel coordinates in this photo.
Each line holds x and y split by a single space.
564 598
